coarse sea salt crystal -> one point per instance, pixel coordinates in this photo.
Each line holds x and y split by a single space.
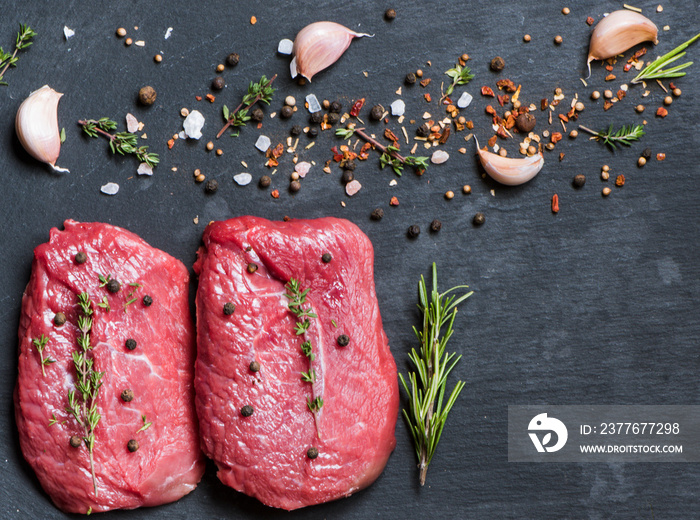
145 169
464 100
132 124
193 124
439 157
302 168
168 32
111 188
285 46
314 105
242 179
263 143
352 187
398 108
67 32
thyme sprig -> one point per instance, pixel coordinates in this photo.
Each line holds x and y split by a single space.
426 414
460 76
261 91
24 40
625 135
82 401
146 424
654 69
390 154
122 143
40 345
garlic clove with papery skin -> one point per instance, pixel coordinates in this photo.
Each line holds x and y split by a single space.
618 32
318 46
506 170
36 124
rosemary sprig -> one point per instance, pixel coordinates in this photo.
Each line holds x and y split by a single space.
654 69
24 40
625 135
121 143
425 416
146 425
390 154
260 91
82 401
40 345
460 76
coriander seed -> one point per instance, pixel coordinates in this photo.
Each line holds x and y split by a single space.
605 168
565 11
558 39
128 42
641 162
294 176
466 189
449 195
604 176
595 95
676 92
639 109
668 100
290 101
419 73
579 107
527 38
573 134
606 191
210 146
220 67
608 94
158 58
121 32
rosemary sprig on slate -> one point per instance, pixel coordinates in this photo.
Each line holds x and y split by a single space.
654 69
121 143
260 91
24 40
427 410
625 135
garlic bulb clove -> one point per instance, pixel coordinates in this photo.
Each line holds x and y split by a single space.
318 46
511 172
36 124
618 32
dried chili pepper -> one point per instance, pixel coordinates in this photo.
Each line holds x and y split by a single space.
555 203
356 107
487 91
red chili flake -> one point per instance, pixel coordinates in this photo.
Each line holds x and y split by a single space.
425 82
561 156
673 87
469 124
275 194
487 91
563 118
447 101
490 110
394 201
660 156
198 98
509 122
364 151
427 97
641 52
590 20
627 67
506 84
492 141
445 135
272 163
211 98
391 136
571 114
556 137
620 180
609 68
555 203
607 105
277 151
171 143
502 100
355 110
621 94
544 104
661 112
501 132
610 77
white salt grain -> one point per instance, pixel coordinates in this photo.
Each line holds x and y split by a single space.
263 143
140 43
111 188
302 168
145 169
67 32
464 100
398 108
168 32
242 179
193 124
314 105
132 124
352 187
439 157
285 46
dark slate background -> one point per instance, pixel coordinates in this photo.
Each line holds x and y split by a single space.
595 305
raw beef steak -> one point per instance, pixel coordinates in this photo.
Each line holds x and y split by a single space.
254 409
142 339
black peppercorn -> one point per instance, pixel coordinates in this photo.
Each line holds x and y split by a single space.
130 344
332 118
147 95
247 411
525 122
390 14
59 319
335 107
410 78
286 112
294 186
347 176
232 59
348 165
218 83
229 308
376 113
497 64
313 132
127 395
75 441
479 219
211 186
316 118
413 231
257 115
252 267
113 286
132 445
326 257
579 180
296 130
423 130
435 225
377 214
647 153
265 181
312 452
147 300
80 258
254 366
343 340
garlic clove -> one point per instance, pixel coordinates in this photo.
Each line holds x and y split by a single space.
318 46
36 124
618 32
506 170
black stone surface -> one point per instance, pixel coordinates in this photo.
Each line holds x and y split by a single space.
597 304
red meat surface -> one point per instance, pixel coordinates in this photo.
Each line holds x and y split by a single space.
159 371
265 454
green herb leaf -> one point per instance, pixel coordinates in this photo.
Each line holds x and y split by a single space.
145 426
654 69
225 111
624 136
63 135
23 40
460 76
